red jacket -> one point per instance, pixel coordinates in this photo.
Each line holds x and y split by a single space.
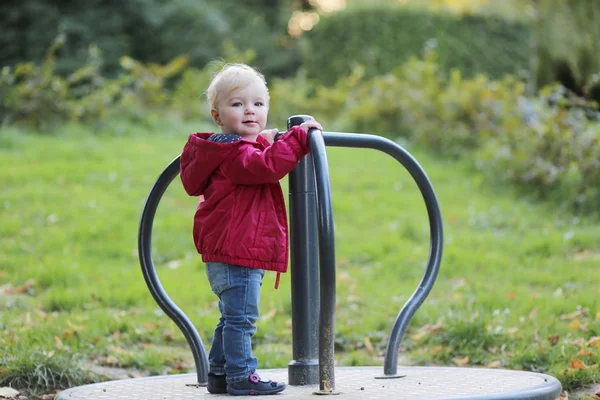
241 218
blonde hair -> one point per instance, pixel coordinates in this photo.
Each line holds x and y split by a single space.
232 77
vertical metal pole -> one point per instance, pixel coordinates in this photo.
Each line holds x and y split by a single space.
327 282
304 367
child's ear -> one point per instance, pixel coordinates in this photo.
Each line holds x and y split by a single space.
216 118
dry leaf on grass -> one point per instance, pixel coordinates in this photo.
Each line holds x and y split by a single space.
594 342
269 315
368 345
579 313
578 325
462 361
578 364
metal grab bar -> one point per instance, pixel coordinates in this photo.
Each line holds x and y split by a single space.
151 278
327 284
435 226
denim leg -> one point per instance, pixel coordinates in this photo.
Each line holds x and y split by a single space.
238 289
218 277
216 356
240 311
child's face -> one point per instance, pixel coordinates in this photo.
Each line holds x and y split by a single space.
244 111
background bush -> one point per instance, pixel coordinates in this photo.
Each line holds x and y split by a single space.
567 36
383 37
549 148
154 31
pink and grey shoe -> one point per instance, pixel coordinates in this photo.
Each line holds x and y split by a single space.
254 386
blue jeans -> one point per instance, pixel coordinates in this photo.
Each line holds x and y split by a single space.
238 289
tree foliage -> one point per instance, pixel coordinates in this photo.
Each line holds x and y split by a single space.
147 30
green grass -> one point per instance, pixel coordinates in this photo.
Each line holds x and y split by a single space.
517 286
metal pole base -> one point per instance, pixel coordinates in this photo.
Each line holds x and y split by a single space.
326 393
390 376
302 373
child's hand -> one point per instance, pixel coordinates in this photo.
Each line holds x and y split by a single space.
269 134
311 124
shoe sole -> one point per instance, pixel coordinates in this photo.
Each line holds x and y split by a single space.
249 392
218 391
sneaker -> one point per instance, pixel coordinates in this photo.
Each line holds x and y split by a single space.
254 386
216 383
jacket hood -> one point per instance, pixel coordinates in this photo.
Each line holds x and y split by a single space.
199 160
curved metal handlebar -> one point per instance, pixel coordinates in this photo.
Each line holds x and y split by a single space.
435 226
151 278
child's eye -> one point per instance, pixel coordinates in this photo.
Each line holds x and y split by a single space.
236 104
259 104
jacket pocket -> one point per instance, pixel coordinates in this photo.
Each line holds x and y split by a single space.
218 277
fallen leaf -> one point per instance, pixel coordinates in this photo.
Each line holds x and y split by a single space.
594 342
116 349
30 284
368 345
578 364
428 329
269 315
343 277
112 360
462 361
534 313
494 364
579 313
582 255
43 315
7 289
8 393
553 339
68 334
577 325
75 328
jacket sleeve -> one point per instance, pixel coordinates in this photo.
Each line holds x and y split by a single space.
252 166
188 170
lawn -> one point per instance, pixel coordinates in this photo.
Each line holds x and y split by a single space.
517 287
